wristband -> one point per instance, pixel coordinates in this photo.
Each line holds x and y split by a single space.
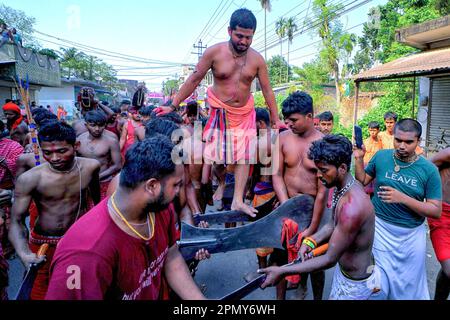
310 242
173 107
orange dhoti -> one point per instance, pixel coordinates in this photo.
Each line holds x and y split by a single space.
230 133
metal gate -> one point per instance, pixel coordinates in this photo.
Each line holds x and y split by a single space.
439 119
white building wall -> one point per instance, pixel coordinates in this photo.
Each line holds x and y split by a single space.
54 97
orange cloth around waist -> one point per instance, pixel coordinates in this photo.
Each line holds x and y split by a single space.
236 117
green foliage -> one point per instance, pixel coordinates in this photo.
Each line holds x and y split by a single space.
277 66
18 19
398 99
49 53
170 87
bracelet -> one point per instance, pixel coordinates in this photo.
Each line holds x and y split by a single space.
173 107
310 242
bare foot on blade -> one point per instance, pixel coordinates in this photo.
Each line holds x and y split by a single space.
244 208
218 195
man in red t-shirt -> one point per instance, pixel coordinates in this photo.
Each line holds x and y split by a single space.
125 248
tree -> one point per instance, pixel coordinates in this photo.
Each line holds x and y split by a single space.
280 30
336 45
276 66
19 20
313 76
291 28
170 87
267 6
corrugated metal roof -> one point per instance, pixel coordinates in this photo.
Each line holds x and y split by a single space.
428 62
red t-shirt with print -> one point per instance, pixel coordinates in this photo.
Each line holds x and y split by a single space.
96 260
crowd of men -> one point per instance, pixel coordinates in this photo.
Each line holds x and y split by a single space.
107 195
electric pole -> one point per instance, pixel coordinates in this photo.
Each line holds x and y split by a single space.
199 48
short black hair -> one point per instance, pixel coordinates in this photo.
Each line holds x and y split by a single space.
390 115
97 117
115 109
374 125
262 115
146 111
409 125
326 116
128 102
297 102
150 158
174 117
192 108
160 126
57 131
41 116
243 18
333 150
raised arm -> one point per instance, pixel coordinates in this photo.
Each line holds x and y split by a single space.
192 82
360 173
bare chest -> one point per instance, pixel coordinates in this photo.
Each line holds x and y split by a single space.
237 69
58 187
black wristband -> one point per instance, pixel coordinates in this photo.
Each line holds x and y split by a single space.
173 107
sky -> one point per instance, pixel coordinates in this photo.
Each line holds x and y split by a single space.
160 34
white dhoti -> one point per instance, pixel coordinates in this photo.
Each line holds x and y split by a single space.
344 288
400 253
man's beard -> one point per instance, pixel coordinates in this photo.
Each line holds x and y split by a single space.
236 49
159 205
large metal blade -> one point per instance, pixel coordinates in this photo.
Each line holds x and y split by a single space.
265 232
248 288
234 215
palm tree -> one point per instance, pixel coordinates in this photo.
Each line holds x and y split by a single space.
280 30
267 6
68 58
291 28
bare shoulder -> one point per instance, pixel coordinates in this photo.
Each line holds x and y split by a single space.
83 136
88 164
31 177
109 135
355 207
256 56
317 135
285 135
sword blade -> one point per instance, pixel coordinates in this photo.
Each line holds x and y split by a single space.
245 290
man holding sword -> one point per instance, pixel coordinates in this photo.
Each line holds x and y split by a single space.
349 233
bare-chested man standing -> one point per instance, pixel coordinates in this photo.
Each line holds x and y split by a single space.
296 174
96 144
59 189
234 66
349 233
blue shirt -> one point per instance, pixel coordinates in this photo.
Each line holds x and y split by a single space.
420 181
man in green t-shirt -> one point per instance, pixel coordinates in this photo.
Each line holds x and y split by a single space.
407 190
